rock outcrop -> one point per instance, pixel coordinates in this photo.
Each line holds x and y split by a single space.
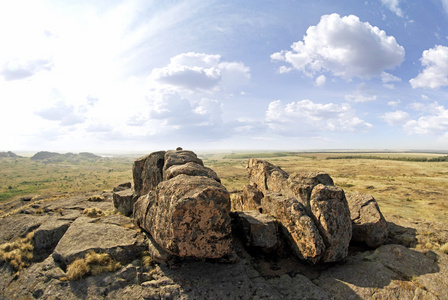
124 201
182 205
313 213
369 225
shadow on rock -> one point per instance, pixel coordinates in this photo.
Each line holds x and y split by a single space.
391 271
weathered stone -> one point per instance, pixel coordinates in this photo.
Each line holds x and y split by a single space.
85 235
332 217
122 187
188 217
124 201
47 236
157 253
192 169
180 157
258 230
16 226
265 176
369 225
301 185
298 228
147 172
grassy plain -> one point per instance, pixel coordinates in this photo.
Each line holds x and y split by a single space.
410 189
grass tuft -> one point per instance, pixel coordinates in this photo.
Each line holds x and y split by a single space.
18 253
92 264
93 212
96 198
444 248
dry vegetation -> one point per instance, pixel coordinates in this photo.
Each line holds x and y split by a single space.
18 253
412 189
92 264
23 176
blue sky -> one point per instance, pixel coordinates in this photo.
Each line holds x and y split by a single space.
293 75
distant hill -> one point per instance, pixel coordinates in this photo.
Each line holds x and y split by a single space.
58 157
9 154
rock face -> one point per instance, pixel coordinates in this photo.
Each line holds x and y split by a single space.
182 205
369 225
258 230
147 172
124 201
314 214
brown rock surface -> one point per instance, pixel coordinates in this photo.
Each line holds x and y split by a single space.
188 217
147 172
265 176
258 230
369 225
297 226
192 169
332 217
179 157
124 201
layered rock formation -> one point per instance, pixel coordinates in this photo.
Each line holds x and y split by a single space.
313 213
182 205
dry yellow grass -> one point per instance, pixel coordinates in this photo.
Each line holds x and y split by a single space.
18 253
92 264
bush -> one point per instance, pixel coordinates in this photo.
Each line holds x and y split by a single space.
93 212
18 253
96 198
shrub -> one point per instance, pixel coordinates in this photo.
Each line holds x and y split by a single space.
444 248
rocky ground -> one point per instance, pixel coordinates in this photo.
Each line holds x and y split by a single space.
406 267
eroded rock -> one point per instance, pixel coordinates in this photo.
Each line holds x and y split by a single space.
188 216
124 201
147 172
369 225
192 169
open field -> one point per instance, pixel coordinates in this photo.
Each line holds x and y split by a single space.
411 189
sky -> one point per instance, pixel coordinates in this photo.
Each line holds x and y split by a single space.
136 75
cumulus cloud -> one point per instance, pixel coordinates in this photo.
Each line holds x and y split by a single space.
199 71
305 117
344 46
361 94
192 118
65 114
395 118
394 6
394 103
433 119
17 69
435 72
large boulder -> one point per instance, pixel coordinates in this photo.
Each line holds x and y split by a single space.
124 201
332 217
265 176
188 216
192 169
297 226
179 157
369 225
258 230
147 172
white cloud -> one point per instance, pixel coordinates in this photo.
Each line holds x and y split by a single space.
198 71
305 117
393 5
65 114
394 103
435 72
445 5
387 78
397 117
344 46
434 124
361 94
321 80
